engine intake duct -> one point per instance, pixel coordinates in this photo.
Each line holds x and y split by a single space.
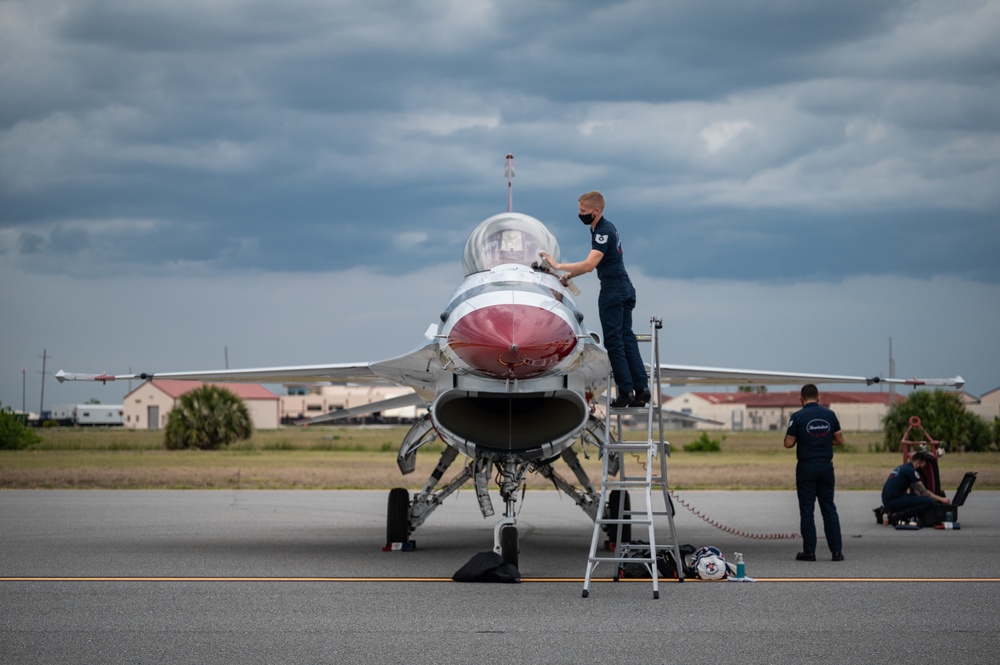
518 423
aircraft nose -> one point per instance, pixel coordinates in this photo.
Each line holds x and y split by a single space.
517 341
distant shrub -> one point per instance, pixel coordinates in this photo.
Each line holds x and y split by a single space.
704 444
943 416
13 434
208 418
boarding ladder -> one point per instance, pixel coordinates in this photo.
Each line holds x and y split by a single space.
615 514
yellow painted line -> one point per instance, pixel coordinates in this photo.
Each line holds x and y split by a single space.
879 579
547 580
671 580
225 579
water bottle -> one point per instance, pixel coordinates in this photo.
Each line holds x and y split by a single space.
741 568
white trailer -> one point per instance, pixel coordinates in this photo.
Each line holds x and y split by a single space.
102 415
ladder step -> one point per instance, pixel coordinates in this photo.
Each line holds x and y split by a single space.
631 559
625 484
627 446
654 483
604 520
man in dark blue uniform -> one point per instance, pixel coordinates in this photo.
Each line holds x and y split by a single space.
896 497
615 302
815 430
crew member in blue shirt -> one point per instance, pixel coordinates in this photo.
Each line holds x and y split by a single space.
615 302
815 430
898 501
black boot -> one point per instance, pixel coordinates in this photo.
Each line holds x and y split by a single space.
641 397
623 400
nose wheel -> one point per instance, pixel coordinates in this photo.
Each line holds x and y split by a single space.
508 544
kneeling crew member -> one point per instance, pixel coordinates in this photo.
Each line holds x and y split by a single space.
902 505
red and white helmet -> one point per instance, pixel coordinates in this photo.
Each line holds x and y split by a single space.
710 564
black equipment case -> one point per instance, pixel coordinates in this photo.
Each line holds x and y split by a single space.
942 513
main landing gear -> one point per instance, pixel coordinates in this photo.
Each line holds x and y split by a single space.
404 516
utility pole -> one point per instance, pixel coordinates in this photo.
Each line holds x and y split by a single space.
24 383
892 375
41 404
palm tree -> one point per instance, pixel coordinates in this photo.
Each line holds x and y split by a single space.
208 418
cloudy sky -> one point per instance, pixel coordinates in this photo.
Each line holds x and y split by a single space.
285 183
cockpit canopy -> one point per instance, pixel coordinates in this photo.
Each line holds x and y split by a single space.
509 237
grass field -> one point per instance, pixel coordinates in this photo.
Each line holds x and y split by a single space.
365 458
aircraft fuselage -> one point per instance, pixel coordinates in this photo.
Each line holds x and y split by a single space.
513 339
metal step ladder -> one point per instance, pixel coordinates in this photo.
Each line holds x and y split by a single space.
614 512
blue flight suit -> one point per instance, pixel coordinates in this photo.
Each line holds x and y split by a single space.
615 304
813 427
895 499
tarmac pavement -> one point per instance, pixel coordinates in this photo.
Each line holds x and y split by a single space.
299 576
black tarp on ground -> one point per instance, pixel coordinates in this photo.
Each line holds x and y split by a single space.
487 567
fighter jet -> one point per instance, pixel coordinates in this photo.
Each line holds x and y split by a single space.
514 381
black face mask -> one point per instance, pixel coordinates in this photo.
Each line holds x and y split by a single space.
587 219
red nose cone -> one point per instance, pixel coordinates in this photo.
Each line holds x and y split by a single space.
517 341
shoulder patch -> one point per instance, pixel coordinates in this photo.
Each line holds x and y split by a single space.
601 238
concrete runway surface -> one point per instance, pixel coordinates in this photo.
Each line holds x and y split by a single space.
299 577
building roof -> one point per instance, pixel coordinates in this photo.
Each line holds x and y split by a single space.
175 388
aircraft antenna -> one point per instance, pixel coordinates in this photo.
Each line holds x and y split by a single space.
509 172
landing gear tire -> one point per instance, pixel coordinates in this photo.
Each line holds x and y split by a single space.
508 545
614 500
397 525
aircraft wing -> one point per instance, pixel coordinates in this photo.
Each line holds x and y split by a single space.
692 374
689 418
411 399
418 370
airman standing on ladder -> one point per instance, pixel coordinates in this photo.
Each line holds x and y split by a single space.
615 303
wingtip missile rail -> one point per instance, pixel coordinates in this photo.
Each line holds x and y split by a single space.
956 382
62 376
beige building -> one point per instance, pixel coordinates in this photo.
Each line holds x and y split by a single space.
987 406
857 411
148 406
308 401
723 407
